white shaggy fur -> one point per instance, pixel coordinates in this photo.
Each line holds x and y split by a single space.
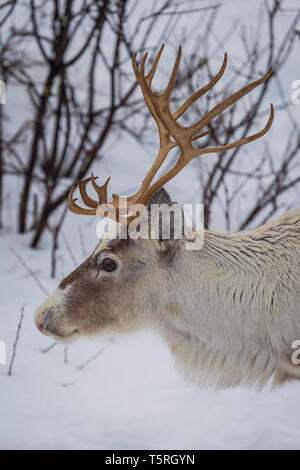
234 310
230 311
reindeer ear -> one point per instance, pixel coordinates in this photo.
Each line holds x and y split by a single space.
165 218
160 197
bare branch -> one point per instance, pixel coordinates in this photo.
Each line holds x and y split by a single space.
16 341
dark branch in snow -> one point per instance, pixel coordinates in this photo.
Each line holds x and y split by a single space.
16 341
45 350
82 366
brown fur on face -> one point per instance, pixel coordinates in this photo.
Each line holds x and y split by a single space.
76 274
93 301
90 300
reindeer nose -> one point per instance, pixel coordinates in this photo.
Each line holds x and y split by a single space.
41 323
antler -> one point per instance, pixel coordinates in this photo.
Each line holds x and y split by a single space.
168 127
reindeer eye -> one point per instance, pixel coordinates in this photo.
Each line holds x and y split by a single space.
109 264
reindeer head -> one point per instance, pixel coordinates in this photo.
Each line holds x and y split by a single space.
127 282
118 288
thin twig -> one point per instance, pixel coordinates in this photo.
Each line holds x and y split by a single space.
66 355
29 271
55 232
68 384
45 350
84 252
69 250
16 341
82 366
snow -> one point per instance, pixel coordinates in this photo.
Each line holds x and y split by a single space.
130 396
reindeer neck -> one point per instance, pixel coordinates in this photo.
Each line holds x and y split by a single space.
227 302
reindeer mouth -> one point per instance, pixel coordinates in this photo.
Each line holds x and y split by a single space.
66 338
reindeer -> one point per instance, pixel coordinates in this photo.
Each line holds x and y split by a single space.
229 311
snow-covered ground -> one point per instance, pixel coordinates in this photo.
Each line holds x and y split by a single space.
130 396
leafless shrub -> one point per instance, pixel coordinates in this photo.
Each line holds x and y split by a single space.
81 92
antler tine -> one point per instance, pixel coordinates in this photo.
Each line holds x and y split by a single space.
198 136
86 199
185 105
237 143
195 96
171 83
145 85
142 66
164 135
138 75
137 71
182 162
150 75
172 79
100 190
75 208
226 103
